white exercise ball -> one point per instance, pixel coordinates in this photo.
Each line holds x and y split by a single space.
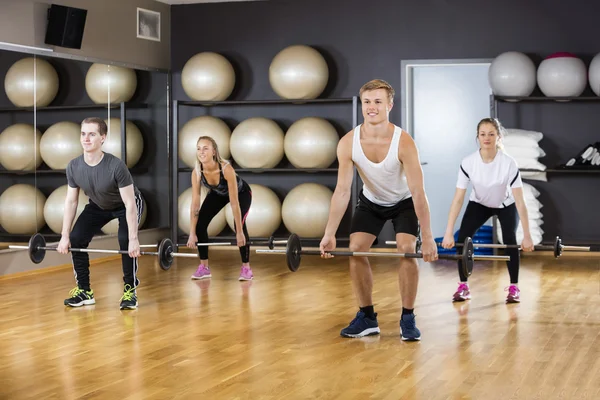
311 142
112 84
31 81
562 75
112 227
298 72
54 209
512 74
134 141
257 143
184 203
264 216
305 209
203 126
20 147
60 144
208 76
594 74
22 209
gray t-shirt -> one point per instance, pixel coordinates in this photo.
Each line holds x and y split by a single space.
101 182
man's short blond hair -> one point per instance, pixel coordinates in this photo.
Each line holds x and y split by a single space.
378 84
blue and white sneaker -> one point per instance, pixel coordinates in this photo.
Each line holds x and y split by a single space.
408 328
361 326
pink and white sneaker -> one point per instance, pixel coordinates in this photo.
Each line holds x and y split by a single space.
246 274
514 294
203 272
462 293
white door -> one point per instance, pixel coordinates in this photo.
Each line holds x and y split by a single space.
442 104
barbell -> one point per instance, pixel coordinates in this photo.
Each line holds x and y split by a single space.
557 247
37 251
294 253
270 242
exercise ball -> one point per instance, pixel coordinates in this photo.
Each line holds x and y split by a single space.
22 209
60 144
298 72
311 143
264 216
305 209
208 76
594 74
106 84
184 202
20 148
203 126
257 143
512 74
112 228
19 83
54 209
562 74
134 142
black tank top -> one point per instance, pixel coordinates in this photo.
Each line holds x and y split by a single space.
221 188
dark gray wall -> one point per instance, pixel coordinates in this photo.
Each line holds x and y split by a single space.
365 40
150 173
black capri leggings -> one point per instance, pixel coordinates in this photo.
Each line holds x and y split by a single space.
475 216
213 203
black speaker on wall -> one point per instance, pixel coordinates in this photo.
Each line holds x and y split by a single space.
65 26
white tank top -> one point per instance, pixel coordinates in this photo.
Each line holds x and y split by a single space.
384 182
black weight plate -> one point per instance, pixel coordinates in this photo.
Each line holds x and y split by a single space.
467 257
557 247
270 242
165 253
37 251
293 252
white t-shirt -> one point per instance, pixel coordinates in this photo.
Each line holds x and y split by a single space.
492 182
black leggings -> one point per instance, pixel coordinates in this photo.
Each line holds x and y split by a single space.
213 203
475 216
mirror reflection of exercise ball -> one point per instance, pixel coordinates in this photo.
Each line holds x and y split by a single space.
311 143
112 228
305 209
208 76
54 209
22 209
60 144
184 203
101 79
134 142
203 126
264 217
19 82
18 149
298 72
257 143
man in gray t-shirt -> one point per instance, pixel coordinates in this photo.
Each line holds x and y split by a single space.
106 180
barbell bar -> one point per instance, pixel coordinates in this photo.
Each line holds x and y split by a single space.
557 247
271 242
37 251
294 253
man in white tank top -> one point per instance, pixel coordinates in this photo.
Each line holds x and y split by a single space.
388 163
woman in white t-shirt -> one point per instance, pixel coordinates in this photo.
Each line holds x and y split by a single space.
497 189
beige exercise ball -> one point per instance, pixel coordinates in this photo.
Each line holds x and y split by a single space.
264 217
203 126
208 76
54 209
215 226
60 144
257 143
311 142
305 209
20 148
134 142
298 72
19 83
22 209
102 81
112 228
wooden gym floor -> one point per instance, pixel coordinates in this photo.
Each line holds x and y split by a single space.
278 336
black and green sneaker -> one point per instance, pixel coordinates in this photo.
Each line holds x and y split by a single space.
80 297
129 298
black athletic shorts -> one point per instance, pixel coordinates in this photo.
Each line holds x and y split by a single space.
370 217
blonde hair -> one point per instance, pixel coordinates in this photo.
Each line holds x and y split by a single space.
216 157
378 84
499 128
